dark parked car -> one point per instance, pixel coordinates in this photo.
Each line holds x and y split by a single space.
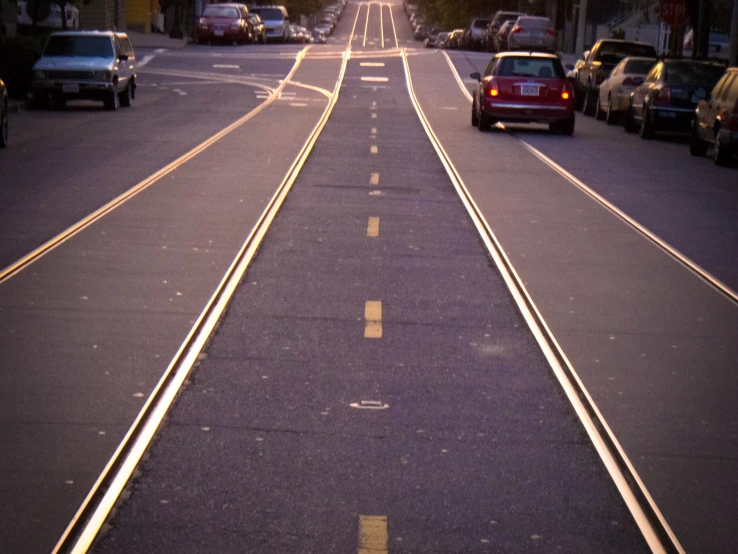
421 32
716 120
475 36
527 87
667 99
224 23
597 64
500 40
497 22
3 115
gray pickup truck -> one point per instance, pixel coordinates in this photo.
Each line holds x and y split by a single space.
596 65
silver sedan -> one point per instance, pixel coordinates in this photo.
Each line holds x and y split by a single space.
615 90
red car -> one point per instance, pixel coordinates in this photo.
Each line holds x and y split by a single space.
524 87
225 23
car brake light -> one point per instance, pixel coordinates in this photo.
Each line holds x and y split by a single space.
551 32
664 97
517 30
566 92
490 89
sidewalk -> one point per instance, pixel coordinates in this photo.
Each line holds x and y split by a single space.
155 40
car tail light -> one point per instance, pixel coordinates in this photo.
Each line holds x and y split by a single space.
203 22
550 32
490 89
567 92
664 97
517 29
632 82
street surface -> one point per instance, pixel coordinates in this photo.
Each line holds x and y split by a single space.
373 385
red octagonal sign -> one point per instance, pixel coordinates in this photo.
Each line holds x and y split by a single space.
673 12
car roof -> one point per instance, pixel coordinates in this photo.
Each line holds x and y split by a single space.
84 33
623 41
517 54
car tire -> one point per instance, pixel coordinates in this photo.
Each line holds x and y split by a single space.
611 116
112 102
600 114
565 127
59 102
697 146
646 130
485 122
588 106
4 126
629 123
474 117
126 98
722 154
578 98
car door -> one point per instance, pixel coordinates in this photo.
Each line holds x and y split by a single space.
124 73
641 92
586 70
125 44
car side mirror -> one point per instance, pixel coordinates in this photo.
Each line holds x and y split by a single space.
476 76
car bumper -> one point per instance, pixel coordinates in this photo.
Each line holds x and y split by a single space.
534 45
530 113
74 89
220 34
672 119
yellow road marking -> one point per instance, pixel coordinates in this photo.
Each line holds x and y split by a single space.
372 535
373 317
394 29
374 150
375 79
381 23
374 103
366 25
374 116
372 228
372 64
374 179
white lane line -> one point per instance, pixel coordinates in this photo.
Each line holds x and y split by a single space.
375 79
298 104
371 64
226 66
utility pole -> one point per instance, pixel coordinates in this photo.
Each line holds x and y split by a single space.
579 47
734 35
701 45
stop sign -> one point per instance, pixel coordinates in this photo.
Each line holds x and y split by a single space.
673 12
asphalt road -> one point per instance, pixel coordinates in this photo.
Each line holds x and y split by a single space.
477 448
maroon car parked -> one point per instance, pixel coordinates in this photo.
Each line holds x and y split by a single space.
524 88
224 23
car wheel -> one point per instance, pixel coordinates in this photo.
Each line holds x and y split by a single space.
485 122
611 116
59 102
588 108
630 125
722 154
474 117
112 102
126 99
697 146
599 112
647 130
565 127
4 126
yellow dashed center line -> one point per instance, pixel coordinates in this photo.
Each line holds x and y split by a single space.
374 130
374 116
374 103
373 317
372 228
374 179
374 149
372 64
372 535
375 79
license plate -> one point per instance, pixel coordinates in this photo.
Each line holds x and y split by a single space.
70 87
218 33
528 90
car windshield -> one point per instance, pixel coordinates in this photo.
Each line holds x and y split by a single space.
481 23
531 67
614 52
681 73
638 66
220 11
269 13
65 45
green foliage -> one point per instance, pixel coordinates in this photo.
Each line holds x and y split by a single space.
298 7
17 56
456 14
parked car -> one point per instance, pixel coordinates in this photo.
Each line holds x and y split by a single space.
258 28
533 34
596 64
614 92
500 40
430 42
667 99
3 115
49 15
716 120
441 40
224 23
91 65
475 36
494 26
324 28
718 45
524 87
455 39
276 20
319 36
421 32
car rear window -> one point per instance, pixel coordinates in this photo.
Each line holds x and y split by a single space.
684 72
534 23
269 13
639 66
613 52
531 67
65 45
220 11
481 23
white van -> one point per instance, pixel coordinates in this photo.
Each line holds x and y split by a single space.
276 21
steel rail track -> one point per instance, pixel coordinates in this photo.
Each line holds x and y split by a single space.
36 254
654 527
692 266
90 517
